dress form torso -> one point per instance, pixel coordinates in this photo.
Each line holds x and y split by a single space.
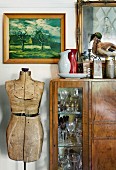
25 131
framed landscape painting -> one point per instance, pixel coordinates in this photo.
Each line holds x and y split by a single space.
33 38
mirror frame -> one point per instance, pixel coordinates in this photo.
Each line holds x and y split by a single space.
80 5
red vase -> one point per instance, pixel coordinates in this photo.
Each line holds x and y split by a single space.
73 60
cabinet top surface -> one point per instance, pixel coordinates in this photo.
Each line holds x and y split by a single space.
86 80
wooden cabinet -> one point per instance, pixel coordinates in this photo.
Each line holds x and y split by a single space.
95 111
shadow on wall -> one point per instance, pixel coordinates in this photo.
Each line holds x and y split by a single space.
54 71
43 162
4 118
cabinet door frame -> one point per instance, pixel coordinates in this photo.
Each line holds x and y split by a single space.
65 83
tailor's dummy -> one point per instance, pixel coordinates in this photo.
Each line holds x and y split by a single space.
24 133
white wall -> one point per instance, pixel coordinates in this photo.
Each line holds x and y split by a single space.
41 72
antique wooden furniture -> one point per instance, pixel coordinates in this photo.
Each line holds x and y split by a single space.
94 116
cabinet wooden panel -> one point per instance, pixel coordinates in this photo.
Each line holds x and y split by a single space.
104 130
103 155
103 101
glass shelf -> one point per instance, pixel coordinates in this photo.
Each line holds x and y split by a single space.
69 113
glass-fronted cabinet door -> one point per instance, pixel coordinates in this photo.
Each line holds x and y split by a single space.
68 125
69 128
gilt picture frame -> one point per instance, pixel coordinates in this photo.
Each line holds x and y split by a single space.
33 38
92 17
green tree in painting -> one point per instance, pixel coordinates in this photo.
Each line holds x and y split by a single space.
22 37
42 38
